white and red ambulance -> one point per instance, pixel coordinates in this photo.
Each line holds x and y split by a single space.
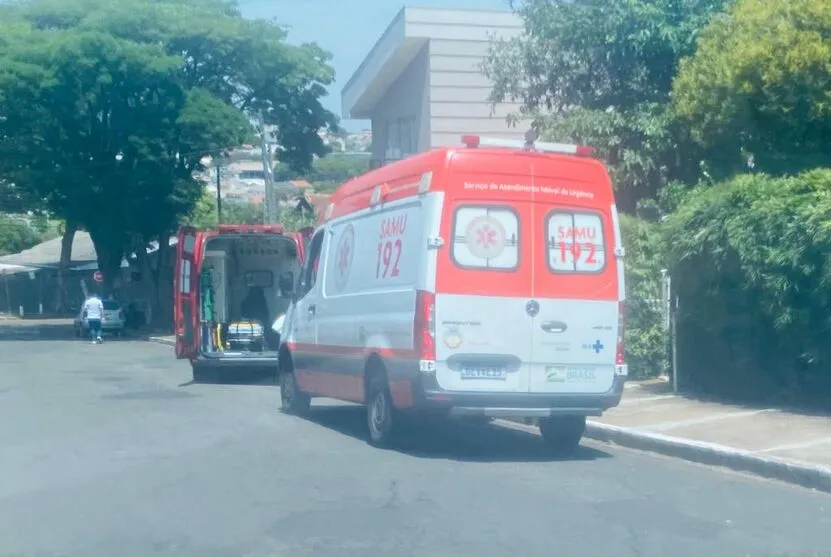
480 280
215 271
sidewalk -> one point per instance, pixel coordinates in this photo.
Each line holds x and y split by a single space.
785 445
167 340
771 442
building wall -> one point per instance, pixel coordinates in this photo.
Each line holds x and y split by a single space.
459 41
400 122
443 93
459 94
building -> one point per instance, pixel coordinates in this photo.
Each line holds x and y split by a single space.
422 86
29 280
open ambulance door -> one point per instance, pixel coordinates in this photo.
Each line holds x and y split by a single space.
185 307
304 237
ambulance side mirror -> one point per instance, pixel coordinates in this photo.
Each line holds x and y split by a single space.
286 284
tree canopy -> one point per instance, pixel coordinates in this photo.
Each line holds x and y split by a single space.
106 112
758 88
600 72
327 173
16 235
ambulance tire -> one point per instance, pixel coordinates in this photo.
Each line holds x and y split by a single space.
563 433
293 401
203 374
381 417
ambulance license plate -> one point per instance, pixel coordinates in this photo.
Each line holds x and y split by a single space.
484 372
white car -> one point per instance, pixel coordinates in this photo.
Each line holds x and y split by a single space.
112 321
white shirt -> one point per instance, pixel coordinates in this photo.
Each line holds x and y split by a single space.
94 308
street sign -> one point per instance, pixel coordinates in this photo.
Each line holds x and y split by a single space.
97 276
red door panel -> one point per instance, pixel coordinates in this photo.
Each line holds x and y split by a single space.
185 307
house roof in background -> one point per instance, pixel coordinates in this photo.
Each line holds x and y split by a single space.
48 254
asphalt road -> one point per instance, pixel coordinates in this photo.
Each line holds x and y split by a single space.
110 451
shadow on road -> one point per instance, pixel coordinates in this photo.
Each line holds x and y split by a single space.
32 330
448 439
18 331
261 377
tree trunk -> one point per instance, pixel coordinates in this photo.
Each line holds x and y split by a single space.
61 296
152 272
110 253
160 316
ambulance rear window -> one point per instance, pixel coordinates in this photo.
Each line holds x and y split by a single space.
486 237
575 242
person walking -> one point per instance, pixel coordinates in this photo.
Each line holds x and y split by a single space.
93 312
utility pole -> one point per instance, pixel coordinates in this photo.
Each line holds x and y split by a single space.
217 165
270 213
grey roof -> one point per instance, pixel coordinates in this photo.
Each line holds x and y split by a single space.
48 254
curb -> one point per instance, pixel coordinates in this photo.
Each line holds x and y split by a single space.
802 474
711 454
162 340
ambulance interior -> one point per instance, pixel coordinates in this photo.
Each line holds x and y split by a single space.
245 284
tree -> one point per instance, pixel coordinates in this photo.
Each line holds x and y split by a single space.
327 173
16 235
757 89
108 112
749 262
101 129
600 72
242 212
237 212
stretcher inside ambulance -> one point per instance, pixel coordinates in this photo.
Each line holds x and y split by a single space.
232 284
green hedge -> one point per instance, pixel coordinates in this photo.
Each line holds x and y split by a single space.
646 339
750 262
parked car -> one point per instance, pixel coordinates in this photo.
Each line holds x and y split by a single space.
113 320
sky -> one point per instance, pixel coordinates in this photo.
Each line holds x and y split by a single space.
346 29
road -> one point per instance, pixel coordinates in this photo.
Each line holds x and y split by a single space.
109 450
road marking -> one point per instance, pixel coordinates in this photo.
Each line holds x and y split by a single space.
634 401
803 445
683 423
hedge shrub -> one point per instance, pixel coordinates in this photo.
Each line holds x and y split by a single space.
646 339
750 262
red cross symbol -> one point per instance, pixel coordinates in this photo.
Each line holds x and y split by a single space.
343 258
486 236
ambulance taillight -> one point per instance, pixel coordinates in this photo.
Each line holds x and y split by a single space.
424 333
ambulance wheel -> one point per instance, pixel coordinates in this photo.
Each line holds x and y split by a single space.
202 374
292 399
380 412
563 433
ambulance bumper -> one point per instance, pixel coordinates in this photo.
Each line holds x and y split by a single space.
518 405
267 360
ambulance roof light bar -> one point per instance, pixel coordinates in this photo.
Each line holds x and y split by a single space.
474 141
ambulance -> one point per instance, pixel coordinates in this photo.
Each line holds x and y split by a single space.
230 285
481 280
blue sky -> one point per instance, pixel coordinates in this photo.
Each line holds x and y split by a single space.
347 30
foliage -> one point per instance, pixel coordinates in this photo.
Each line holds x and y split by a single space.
17 234
327 173
646 337
758 89
108 111
600 72
204 215
242 212
294 220
637 144
749 261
